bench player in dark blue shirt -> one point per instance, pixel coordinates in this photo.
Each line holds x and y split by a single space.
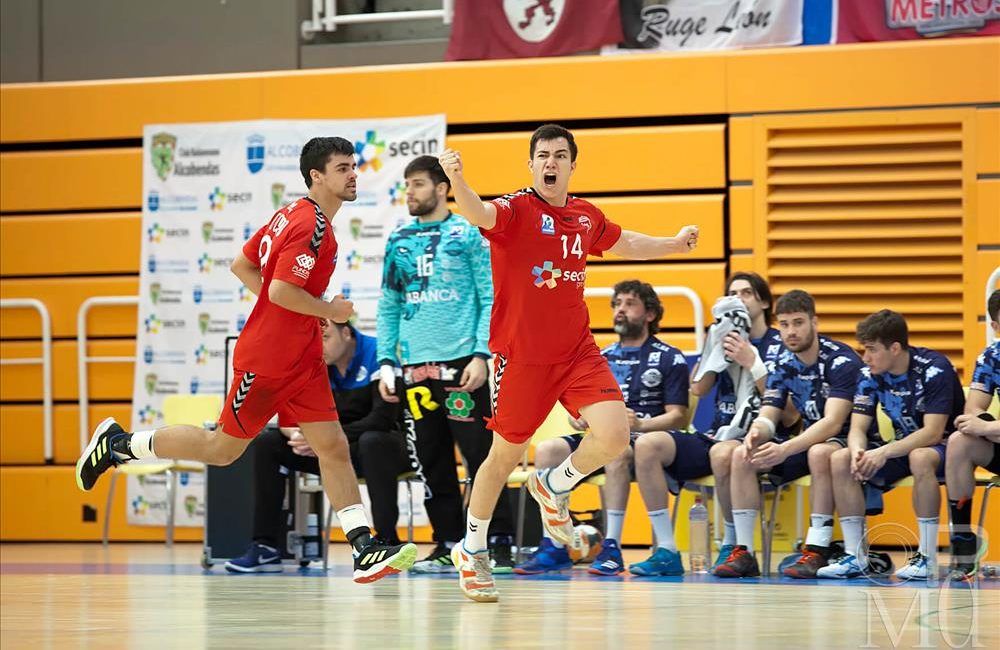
820 375
976 441
920 393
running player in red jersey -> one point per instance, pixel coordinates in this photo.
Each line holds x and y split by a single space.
540 335
279 360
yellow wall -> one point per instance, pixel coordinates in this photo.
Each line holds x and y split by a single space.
707 142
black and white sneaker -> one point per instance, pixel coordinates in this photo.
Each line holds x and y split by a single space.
377 560
439 561
98 457
501 554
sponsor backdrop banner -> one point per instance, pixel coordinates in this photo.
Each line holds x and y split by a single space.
207 188
688 25
895 20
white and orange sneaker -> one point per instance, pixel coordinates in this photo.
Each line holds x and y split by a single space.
554 508
475 575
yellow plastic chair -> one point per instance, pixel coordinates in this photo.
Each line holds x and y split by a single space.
200 410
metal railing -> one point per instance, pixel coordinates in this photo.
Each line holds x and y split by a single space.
82 359
684 292
45 360
991 285
326 18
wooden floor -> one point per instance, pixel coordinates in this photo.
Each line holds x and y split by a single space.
146 596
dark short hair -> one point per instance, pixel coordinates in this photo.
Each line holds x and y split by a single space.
429 164
993 306
552 132
647 295
796 301
342 327
316 154
885 327
760 287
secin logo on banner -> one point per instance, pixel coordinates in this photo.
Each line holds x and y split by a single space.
283 156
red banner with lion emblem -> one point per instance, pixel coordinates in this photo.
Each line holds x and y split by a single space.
507 29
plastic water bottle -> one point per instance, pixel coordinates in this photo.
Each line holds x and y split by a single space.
311 549
698 532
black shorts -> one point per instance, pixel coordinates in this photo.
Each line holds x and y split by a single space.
691 460
994 464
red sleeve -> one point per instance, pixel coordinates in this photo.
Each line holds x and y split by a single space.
292 259
286 418
606 234
251 249
506 208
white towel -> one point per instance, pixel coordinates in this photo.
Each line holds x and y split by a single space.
731 316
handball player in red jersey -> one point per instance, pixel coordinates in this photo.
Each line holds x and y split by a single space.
540 337
278 360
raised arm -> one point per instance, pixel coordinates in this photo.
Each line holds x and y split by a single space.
637 246
470 206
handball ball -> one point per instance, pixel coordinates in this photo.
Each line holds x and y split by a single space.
586 543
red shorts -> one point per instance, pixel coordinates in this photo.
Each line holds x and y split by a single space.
253 400
525 393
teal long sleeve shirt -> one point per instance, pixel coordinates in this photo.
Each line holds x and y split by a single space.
437 293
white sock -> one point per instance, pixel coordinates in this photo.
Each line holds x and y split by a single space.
820 530
745 521
353 517
141 444
476 534
663 528
854 538
564 477
928 527
729 536
616 521
555 543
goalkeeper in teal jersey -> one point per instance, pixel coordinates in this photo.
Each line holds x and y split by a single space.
433 331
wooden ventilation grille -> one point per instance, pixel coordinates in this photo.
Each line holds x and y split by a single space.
869 217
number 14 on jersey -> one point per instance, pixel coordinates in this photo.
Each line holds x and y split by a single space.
576 249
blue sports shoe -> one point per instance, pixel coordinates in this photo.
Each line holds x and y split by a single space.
724 552
546 558
661 563
609 562
258 559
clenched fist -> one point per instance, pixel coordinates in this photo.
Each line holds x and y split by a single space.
451 162
688 235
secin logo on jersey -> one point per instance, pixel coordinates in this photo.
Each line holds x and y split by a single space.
548 225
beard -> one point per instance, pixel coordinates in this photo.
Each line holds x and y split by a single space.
627 329
423 208
804 343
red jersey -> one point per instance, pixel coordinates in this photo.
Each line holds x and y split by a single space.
539 256
297 246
